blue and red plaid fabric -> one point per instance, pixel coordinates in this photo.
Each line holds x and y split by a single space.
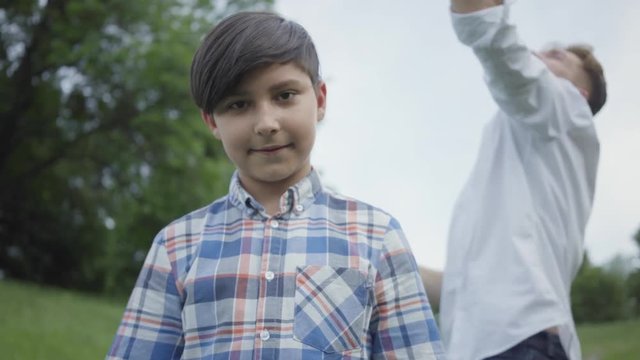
327 278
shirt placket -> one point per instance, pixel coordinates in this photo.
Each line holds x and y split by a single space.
270 294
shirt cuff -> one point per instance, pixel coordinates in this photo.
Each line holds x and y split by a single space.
477 29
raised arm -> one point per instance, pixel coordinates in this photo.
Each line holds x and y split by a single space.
520 83
467 6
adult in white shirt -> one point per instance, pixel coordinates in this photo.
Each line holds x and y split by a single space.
516 236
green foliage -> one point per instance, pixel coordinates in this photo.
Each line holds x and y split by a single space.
598 295
100 143
633 281
633 290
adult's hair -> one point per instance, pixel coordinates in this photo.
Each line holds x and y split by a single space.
592 66
243 42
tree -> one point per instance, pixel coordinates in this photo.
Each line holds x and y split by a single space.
633 281
597 295
100 143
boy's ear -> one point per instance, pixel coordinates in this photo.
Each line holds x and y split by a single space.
321 99
211 123
584 92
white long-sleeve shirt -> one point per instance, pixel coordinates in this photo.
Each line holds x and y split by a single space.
516 236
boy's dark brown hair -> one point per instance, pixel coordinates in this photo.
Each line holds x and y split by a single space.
243 42
592 66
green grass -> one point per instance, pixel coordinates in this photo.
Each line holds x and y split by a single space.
45 323
610 341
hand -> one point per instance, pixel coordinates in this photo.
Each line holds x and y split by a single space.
432 281
467 6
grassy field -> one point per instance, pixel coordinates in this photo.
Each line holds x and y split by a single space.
44 323
611 341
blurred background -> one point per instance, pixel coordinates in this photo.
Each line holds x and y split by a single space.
101 146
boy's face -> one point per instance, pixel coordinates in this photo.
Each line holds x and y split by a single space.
267 125
567 65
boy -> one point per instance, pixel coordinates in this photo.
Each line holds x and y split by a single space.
279 268
516 238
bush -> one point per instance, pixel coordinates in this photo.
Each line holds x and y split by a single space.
633 291
598 296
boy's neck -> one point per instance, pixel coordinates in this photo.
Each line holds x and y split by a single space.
267 190
269 200
268 194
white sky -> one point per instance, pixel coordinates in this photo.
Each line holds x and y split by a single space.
406 104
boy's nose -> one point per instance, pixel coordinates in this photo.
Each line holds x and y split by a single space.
267 122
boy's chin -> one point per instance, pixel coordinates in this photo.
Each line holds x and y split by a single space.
284 177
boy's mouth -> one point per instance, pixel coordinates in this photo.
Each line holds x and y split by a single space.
270 149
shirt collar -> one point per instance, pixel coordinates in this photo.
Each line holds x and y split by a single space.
296 199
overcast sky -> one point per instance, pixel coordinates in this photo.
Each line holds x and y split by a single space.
406 105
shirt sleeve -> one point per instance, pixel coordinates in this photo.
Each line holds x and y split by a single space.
520 83
151 327
402 324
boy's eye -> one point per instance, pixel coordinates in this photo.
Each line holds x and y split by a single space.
237 105
286 95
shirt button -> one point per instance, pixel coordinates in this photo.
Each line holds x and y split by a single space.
299 208
274 224
264 335
269 275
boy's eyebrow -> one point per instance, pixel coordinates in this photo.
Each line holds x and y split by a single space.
286 83
274 87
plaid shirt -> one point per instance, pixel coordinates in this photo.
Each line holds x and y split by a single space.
326 278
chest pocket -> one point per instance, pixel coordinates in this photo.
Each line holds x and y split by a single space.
331 308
